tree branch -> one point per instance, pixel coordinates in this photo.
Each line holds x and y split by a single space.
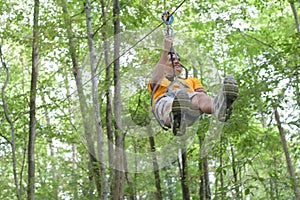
296 18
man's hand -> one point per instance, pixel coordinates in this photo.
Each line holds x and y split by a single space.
160 67
168 43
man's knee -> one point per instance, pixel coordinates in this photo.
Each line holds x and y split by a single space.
196 100
163 109
202 102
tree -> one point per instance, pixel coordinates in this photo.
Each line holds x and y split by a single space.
182 162
119 134
155 167
32 105
12 126
287 155
100 176
94 173
108 81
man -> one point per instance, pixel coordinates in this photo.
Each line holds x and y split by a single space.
188 95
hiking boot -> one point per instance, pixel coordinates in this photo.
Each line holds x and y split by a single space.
223 102
181 104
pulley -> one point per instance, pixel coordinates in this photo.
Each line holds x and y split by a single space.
167 18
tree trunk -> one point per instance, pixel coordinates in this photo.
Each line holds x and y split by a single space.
204 188
182 161
293 7
119 168
155 165
119 135
132 194
201 170
82 99
32 104
12 127
221 167
101 182
287 155
296 18
108 83
206 179
234 171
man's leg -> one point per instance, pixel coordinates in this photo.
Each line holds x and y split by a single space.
162 110
202 102
222 104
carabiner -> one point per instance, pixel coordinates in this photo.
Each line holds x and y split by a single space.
168 31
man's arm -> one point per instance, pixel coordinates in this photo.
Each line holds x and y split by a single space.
159 70
198 87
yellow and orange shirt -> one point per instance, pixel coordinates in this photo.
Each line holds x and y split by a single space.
191 84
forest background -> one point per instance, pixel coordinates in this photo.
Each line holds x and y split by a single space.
75 114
